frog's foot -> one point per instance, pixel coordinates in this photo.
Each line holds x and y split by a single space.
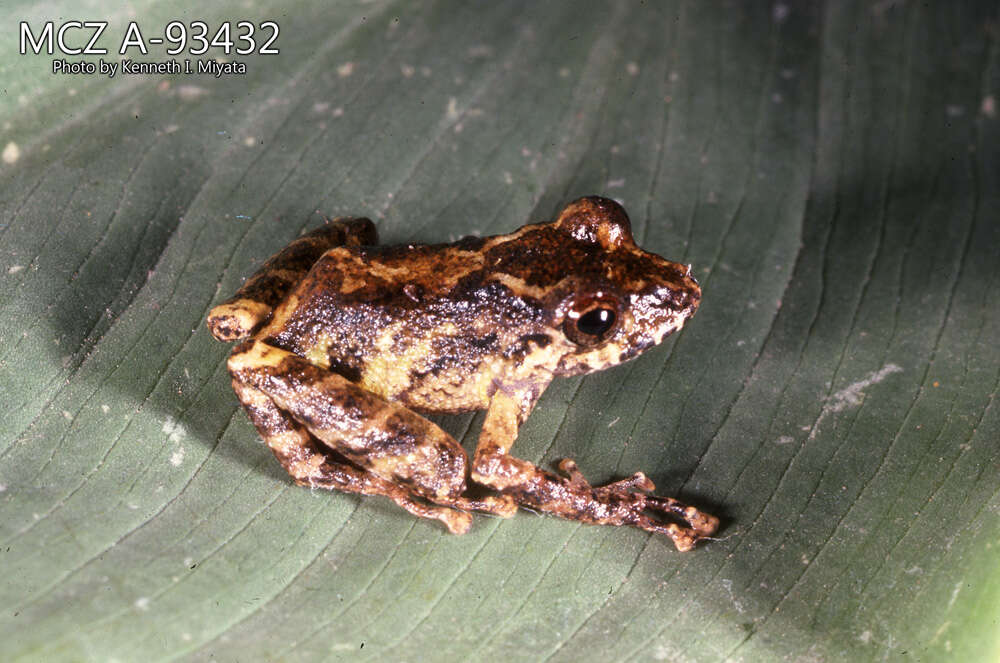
349 479
238 317
629 504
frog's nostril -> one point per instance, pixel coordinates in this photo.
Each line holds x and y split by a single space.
677 299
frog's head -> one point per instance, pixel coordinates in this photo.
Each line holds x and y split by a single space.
615 300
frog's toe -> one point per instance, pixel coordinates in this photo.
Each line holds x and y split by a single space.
500 505
457 522
497 505
638 482
571 471
702 524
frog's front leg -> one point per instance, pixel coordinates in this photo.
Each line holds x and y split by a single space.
389 450
572 497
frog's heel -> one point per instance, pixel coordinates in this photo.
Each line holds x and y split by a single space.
310 465
391 450
238 317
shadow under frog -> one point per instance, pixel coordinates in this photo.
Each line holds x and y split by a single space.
345 342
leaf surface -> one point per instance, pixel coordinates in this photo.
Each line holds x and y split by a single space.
831 172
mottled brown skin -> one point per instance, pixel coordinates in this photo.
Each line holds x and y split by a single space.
349 340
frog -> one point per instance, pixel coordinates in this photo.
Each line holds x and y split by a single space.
343 345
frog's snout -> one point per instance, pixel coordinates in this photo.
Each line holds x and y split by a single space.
690 295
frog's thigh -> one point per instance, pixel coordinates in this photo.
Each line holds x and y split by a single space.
237 317
309 465
391 441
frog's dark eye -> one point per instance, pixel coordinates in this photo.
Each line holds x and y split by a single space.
596 322
592 320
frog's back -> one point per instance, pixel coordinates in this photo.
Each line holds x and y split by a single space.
421 324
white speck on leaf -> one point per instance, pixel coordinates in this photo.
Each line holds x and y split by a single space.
176 433
14 269
954 594
452 111
407 70
190 92
345 69
142 603
174 430
954 110
989 106
632 68
853 393
728 584
785 439
667 652
11 153
780 12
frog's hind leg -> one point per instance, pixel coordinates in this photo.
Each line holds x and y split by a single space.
238 317
392 450
310 465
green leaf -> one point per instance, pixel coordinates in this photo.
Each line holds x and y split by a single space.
830 170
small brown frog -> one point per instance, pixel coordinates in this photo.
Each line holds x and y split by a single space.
349 340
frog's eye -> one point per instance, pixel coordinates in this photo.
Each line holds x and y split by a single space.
592 320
